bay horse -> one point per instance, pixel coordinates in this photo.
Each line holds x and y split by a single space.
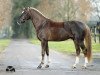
48 30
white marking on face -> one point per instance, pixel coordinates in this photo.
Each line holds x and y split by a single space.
22 11
18 23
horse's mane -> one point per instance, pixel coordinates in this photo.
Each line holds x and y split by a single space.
38 11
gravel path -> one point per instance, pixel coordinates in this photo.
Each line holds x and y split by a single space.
25 57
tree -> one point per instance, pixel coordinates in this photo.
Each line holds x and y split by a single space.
5 18
96 8
5 12
58 9
25 30
66 10
84 9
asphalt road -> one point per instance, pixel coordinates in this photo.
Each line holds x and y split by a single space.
25 57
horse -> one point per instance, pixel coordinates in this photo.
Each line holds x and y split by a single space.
49 30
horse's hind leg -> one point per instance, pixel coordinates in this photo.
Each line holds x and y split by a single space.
77 53
85 53
43 44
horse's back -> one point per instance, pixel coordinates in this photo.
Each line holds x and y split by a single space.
75 24
56 24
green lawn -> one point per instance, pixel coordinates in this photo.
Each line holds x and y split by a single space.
66 46
4 43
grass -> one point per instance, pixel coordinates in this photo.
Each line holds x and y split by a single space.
66 46
96 47
4 43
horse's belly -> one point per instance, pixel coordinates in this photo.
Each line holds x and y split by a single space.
58 36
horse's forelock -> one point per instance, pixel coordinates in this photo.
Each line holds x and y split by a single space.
25 9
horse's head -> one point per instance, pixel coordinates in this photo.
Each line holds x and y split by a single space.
24 16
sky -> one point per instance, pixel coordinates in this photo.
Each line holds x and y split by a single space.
96 7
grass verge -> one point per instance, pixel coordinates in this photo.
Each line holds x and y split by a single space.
66 46
4 43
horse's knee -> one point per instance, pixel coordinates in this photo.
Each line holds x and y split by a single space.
82 45
77 47
84 50
47 54
43 54
78 52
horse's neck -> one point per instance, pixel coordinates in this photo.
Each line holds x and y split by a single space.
37 19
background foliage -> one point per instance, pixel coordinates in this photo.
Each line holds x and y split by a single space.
26 30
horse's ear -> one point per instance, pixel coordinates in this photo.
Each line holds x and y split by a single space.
24 8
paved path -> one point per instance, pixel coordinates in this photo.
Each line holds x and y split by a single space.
25 57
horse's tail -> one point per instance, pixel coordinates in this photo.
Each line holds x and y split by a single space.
88 43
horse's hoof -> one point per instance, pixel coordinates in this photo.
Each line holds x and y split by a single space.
84 67
39 67
47 66
74 67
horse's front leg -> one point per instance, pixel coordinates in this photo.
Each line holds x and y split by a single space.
47 53
43 45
